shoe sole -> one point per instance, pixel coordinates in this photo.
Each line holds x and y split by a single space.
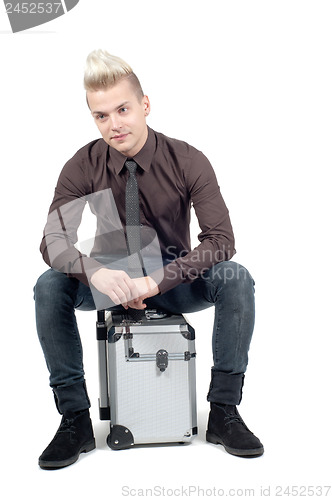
59 464
256 452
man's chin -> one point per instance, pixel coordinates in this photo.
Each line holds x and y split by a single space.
121 147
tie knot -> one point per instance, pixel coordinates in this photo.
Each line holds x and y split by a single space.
131 165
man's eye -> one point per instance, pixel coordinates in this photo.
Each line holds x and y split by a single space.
100 117
123 110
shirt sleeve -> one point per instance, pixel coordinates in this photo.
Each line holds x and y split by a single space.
216 237
60 233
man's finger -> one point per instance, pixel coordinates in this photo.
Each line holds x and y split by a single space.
137 304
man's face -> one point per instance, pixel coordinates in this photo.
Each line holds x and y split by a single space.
120 117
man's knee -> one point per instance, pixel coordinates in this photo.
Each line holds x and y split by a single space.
232 274
52 284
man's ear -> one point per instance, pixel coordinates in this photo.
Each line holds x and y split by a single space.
146 105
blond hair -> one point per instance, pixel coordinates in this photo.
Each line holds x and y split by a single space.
103 70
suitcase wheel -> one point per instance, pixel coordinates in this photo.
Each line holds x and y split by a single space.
120 438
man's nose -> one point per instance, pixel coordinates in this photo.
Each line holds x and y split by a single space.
115 122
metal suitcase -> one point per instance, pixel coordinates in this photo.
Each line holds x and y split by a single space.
147 378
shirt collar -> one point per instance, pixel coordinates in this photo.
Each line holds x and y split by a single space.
143 157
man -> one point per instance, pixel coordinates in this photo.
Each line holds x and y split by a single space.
170 176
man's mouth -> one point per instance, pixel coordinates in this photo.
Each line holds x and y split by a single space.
119 137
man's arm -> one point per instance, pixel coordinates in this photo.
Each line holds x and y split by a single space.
216 236
65 214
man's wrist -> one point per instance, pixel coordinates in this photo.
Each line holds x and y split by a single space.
152 285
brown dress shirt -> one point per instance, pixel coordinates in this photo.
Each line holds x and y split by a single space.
172 176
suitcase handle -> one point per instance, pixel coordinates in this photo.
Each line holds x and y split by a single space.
161 357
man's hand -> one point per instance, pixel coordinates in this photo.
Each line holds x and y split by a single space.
146 287
119 287
122 289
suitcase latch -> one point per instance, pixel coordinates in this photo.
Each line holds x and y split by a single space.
162 359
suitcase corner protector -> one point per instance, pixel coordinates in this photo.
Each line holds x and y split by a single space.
120 438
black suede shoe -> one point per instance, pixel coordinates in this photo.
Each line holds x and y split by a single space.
226 427
74 436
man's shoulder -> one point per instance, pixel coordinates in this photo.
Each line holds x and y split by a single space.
175 146
91 150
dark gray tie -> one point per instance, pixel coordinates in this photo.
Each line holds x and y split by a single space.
133 222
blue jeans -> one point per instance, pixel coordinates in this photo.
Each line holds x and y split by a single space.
227 285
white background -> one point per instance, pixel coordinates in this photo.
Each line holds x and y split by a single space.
249 83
